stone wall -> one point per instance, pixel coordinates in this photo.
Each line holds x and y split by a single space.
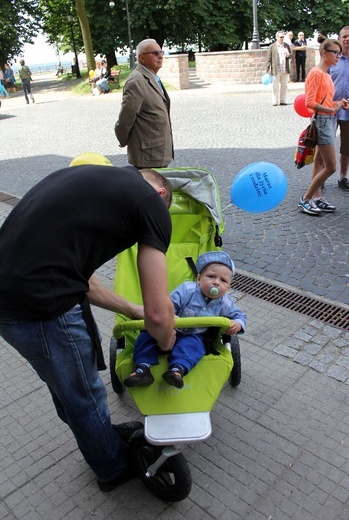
240 67
234 67
175 70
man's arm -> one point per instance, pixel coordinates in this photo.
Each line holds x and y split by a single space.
158 307
103 297
131 105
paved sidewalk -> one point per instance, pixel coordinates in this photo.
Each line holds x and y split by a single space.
279 448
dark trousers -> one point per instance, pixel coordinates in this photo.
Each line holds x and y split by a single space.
300 65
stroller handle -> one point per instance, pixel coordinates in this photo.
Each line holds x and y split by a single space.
180 323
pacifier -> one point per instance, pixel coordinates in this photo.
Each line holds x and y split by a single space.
213 291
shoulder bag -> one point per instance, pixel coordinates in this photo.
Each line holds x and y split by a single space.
310 136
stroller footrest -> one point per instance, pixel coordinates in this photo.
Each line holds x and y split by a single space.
178 428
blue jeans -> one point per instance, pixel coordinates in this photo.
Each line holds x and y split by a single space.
62 353
103 84
27 89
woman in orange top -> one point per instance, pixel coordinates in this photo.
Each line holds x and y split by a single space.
319 91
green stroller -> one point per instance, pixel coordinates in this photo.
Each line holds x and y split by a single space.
175 417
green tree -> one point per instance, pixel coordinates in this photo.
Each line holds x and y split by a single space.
19 24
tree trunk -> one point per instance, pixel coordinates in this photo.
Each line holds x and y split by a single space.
111 58
86 33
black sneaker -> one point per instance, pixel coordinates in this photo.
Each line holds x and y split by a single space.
140 377
174 377
109 485
125 430
344 184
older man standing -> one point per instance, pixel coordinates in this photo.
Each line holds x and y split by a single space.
340 78
144 123
278 64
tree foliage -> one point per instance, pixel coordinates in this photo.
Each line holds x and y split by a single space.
19 24
206 24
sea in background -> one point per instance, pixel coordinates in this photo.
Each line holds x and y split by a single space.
45 68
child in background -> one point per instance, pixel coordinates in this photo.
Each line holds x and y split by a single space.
205 297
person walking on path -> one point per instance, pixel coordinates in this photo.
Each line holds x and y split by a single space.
340 77
278 64
25 75
60 232
144 123
319 92
300 48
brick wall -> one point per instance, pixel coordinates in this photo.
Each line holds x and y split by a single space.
234 67
240 67
175 70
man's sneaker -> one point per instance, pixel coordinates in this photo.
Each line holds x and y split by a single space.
110 485
140 377
344 184
309 206
324 205
125 430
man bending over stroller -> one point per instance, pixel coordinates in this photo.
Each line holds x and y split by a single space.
205 297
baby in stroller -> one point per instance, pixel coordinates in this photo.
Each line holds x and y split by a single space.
205 297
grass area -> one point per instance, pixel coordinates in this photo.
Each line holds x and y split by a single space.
84 88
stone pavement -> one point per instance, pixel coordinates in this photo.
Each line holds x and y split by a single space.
279 448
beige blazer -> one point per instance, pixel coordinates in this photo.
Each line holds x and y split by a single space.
144 124
273 59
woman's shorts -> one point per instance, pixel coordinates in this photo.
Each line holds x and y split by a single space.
326 126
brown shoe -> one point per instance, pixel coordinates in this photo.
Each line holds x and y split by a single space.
140 377
174 378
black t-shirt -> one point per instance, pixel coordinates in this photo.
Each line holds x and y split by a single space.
67 226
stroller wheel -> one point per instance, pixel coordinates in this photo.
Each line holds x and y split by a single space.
117 385
172 482
235 375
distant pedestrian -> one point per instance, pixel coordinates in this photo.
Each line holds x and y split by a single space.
25 75
59 69
73 66
301 55
278 64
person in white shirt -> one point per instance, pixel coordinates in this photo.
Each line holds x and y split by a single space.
278 64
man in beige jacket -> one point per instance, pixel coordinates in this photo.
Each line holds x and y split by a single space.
144 123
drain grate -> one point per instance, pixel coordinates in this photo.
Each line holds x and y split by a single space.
8 199
294 301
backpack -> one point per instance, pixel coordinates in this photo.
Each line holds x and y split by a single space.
303 155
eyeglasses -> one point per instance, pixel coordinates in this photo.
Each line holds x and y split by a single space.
156 53
336 53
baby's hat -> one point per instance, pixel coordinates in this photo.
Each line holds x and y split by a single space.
214 257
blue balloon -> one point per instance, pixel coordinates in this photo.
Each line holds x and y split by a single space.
259 187
267 79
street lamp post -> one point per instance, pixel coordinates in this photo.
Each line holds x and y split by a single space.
77 69
132 58
255 35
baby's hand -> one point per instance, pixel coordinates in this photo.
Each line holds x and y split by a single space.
234 328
